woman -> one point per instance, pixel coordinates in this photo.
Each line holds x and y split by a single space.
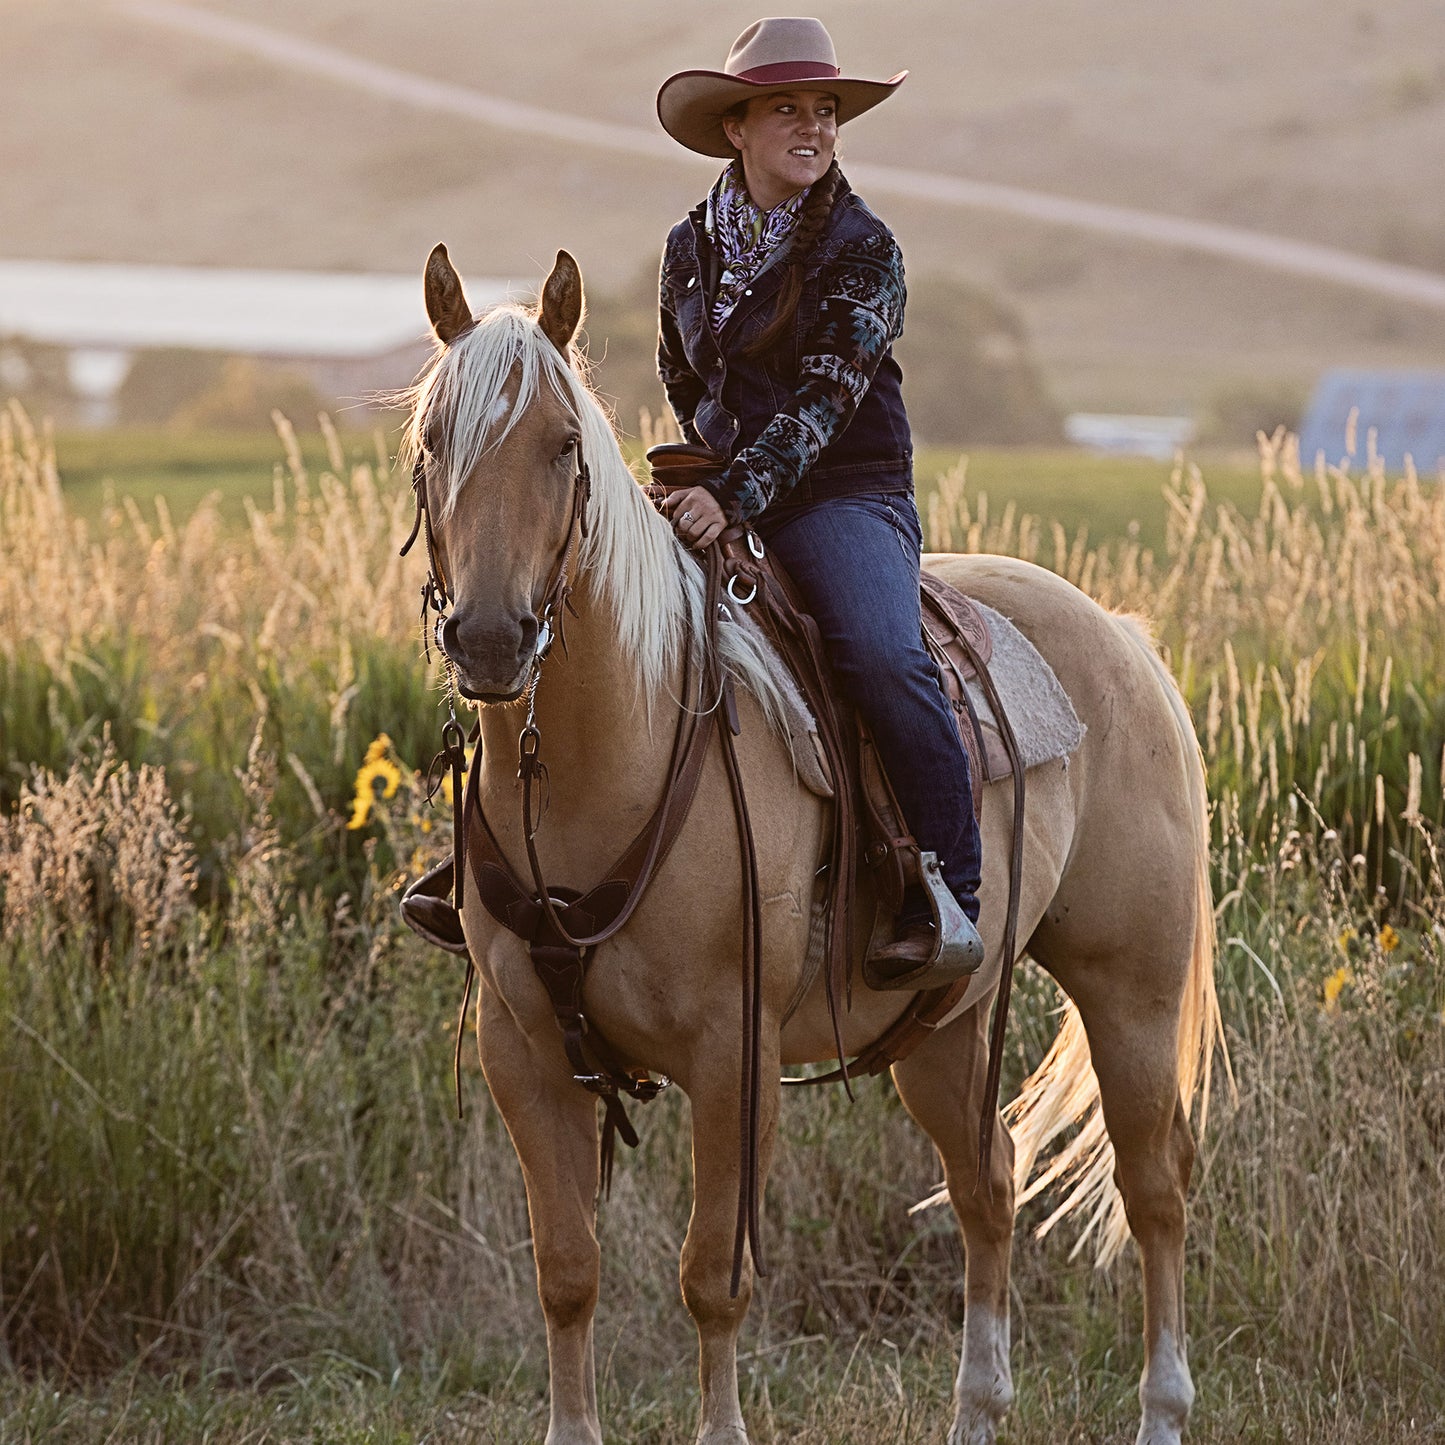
781 297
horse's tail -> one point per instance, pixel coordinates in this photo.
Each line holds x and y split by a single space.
1063 1091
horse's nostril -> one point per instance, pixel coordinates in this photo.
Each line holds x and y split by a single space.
528 643
449 636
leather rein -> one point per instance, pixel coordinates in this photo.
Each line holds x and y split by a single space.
562 926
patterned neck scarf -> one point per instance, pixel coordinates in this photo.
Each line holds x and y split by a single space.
745 236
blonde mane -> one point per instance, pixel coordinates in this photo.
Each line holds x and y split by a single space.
630 563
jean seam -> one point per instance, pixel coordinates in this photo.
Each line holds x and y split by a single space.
905 541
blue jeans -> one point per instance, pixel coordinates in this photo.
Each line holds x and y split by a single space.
855 562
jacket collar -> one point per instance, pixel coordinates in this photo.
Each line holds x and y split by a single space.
766 283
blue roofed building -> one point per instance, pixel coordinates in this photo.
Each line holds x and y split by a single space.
1406 410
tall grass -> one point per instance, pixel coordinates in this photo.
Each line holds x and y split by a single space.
226 1148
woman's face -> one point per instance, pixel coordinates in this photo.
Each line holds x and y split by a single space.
786 140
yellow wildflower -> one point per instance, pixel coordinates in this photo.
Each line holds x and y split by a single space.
1389 939
1346 938
1334 987
378 777
360 811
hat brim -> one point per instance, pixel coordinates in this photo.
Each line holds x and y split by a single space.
691 104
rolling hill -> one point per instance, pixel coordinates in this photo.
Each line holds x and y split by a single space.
1319 120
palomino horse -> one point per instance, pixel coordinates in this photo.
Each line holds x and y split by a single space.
1115 900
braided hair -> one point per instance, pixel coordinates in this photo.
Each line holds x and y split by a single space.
812 220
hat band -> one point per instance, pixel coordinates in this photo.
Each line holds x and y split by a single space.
789 70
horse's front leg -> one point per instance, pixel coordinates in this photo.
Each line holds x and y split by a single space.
553 1124
707 1253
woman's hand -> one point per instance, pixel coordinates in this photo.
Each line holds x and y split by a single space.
696 516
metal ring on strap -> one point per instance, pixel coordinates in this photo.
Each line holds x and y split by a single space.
732 589
755 545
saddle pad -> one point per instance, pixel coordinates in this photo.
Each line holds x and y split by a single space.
809 761
1043 718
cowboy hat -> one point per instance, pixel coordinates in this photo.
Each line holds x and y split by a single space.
769 55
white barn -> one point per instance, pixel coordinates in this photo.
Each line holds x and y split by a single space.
351 334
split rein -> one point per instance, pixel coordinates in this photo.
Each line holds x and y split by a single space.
562 927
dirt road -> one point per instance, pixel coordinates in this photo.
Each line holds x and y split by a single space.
1273 252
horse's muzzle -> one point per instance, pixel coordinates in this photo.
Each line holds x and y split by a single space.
492 657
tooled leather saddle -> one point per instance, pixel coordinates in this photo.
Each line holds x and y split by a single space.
957 637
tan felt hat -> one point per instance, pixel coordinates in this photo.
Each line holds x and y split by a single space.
770 55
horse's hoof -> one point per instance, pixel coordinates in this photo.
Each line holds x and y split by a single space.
1159 1434
980 1429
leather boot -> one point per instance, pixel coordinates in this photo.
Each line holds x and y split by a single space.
917 959
427 908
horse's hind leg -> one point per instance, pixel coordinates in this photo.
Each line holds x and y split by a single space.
553 1124
941 1084
1132 1021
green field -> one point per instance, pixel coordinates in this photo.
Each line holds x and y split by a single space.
186 468
235 1205
1112 497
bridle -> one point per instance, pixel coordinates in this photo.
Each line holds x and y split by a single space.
438 597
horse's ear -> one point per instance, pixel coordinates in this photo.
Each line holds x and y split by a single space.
446 302
561 311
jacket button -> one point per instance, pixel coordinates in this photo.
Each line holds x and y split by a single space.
691 282
748 292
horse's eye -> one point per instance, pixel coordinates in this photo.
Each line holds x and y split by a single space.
568 448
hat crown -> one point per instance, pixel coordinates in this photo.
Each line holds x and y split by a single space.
780 53
798 44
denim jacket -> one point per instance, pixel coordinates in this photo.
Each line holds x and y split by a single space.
820 417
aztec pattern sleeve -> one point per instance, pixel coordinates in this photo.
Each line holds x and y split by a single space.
860 315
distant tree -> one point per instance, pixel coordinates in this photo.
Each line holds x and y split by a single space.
969 376
164 380
621 328
1238 411
244 396
204 390
37 375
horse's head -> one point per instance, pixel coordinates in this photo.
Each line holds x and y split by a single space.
498 437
